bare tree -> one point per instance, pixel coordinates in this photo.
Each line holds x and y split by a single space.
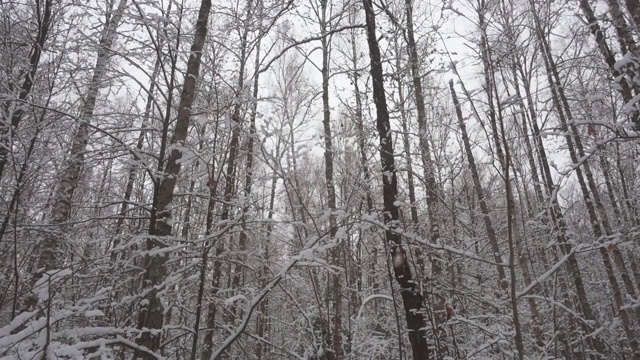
52 248
150 317
412 299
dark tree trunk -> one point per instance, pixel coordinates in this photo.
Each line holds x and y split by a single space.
477 185
151 315
411 297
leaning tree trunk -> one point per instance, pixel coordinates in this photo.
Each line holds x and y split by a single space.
634 8
477 185
404 120
574 146
628 43
151 315
554 213
526 272
432 290
411 297
52 247
131 172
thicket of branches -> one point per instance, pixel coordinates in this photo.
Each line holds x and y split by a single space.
323 179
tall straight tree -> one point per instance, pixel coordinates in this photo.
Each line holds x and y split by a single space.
325 17
230 172
496 121
411 297
151 315
432 290
425 151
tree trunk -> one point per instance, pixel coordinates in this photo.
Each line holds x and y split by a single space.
262 316
366 174
230 176
131 172
574 143
52 247
628 43
511 229
151 315
335 292
526 272
419 256
425 151
248 180
477 185
411 297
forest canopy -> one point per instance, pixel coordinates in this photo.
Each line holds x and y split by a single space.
319 179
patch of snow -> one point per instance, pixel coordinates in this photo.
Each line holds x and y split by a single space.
630 106
626 60
41 288
234 299
93 313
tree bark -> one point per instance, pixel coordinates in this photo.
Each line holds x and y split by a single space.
622 28
425 151
526 272
230 176
336 282
131 172
556 213
366 173
248 180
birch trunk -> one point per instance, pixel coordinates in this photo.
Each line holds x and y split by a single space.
53 247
